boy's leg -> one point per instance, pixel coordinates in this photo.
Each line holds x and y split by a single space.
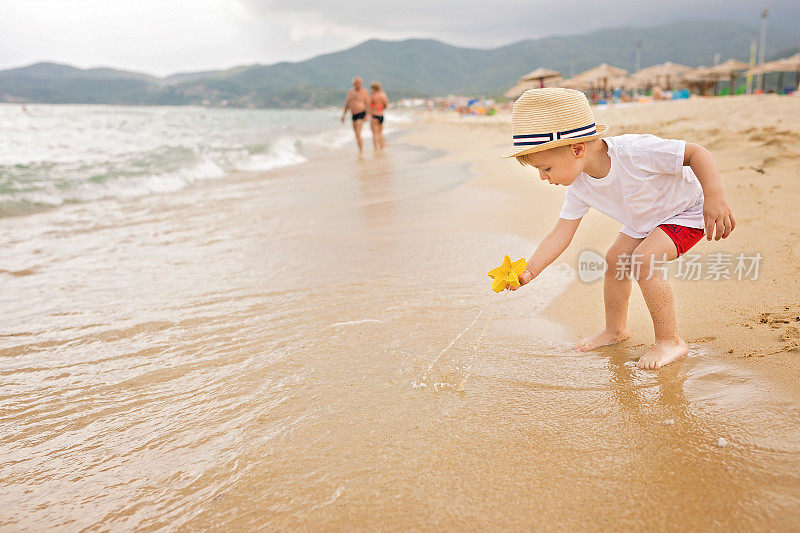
616 292
657 294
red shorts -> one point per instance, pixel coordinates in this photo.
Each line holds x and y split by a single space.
683 237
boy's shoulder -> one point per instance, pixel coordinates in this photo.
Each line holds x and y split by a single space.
647 153
642 144
637 139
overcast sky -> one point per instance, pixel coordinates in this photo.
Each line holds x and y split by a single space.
166 36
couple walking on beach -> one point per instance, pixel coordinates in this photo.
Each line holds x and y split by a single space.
365 106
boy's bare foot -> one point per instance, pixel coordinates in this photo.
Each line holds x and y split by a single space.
604 338
662 353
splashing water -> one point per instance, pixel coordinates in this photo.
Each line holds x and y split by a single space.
422 381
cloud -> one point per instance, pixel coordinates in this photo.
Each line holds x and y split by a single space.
149 35
165 36
479 24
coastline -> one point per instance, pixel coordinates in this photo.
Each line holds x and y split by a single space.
753 322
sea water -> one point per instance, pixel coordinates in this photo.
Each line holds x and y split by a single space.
56 154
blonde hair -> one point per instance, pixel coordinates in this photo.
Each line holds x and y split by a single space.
375 86
525 162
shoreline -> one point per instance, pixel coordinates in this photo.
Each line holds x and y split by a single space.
758 326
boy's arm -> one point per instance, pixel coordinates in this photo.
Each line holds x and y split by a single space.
552 246
716 211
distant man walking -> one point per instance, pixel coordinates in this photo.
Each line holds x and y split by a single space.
358 104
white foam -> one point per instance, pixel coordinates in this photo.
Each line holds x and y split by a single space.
282 153
331 139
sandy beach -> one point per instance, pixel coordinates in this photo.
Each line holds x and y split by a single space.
317 347
249 256
756 145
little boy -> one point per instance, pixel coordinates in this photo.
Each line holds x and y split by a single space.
664 192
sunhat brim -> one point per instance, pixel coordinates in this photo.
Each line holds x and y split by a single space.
515 151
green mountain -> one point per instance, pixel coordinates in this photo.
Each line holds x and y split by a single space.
415 67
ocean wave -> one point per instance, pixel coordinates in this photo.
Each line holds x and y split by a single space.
166 182
121 187
68 154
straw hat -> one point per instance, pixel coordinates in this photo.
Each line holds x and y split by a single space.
548 118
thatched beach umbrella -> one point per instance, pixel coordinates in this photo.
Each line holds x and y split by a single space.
766 68
788 64
728 69
536 79
575 83
702 78
792 64
516 91
521 87
599 75
539 75
731 65
625 82
664 74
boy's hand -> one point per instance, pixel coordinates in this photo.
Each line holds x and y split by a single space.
524 278
717 214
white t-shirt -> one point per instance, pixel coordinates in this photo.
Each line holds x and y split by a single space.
646 186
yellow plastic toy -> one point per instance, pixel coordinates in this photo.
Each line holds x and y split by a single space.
507 274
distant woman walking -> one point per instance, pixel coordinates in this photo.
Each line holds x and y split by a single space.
378 102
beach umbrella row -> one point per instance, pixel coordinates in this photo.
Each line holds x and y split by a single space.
667 75
670 74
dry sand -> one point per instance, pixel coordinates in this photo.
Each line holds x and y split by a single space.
756 143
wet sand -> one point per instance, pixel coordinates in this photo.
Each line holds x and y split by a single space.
242 355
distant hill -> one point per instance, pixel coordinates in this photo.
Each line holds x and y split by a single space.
415 67
54 83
